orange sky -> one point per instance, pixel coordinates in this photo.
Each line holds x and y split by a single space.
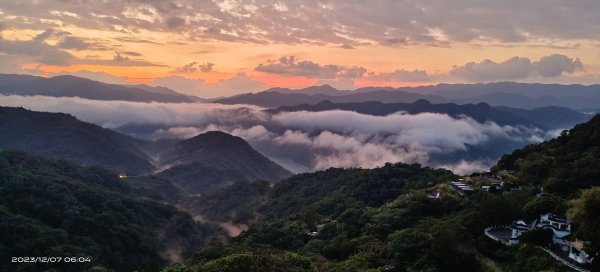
225 47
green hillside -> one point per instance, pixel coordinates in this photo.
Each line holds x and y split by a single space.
55 208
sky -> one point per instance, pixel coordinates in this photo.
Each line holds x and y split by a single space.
226 47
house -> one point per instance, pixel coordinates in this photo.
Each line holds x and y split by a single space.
433 195
311 233
577 252
388 267
518 228
462 188
560 226
498 186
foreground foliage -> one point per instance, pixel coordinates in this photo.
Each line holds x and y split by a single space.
57 209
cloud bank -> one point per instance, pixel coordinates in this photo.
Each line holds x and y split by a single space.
517 68
307 141
346 23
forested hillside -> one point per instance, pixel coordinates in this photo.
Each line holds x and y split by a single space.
57 209
393 219
563 165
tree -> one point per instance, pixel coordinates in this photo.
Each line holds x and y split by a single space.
585 215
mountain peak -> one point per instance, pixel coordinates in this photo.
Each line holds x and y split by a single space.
214 158
213 141
322 88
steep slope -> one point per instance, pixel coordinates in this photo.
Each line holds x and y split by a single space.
562 165
71 86
59 135
211 159
58 209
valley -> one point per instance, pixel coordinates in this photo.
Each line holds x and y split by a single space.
216 196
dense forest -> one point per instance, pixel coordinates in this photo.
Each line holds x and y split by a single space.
397 217
384 219
56 208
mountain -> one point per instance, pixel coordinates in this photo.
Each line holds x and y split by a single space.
71 86
211 159
551 116
534 90
546 118
509 94
52 208
200 162
563 165
63 136
277 99
402 217
167 91
312 90
517 95
269 99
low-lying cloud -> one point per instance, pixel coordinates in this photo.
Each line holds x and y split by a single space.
307 141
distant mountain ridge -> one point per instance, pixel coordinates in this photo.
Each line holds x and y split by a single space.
312 90
509 94
546 117
71 86
274 99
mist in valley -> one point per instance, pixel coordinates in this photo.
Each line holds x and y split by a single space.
308 141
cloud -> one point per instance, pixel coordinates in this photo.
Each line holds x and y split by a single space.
346 46
353 22
557 65
402 75
118 113
119 60
119 57
188 68
290 66
37 50
464 167
303 141
206 67
70 42
175 22
512 69
131 53
517 68
194 66
237 84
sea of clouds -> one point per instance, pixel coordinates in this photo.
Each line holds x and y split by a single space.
307 141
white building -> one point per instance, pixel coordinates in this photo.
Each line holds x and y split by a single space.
518 228
560 226
577 252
